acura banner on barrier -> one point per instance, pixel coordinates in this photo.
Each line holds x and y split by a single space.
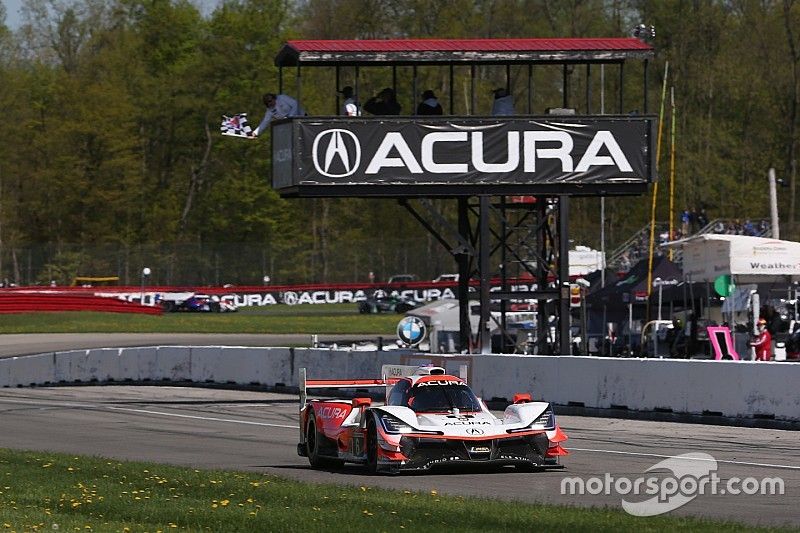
568 151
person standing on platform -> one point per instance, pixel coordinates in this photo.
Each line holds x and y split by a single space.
350 105
429 105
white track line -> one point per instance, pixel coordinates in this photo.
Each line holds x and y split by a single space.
52 403
640 454
197 417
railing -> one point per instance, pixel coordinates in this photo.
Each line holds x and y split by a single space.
35 303
637 246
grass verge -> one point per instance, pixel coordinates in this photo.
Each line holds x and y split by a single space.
328 318
54 492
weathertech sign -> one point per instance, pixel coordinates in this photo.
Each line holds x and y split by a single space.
402 151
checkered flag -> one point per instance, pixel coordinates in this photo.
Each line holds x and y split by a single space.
236 126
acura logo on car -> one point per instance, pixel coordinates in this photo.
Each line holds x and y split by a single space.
336 153
474 431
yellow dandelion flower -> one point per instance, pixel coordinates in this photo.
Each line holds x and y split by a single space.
224 503
214 505
434 493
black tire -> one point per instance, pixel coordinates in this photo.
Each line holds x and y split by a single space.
215 307
372 445
315 444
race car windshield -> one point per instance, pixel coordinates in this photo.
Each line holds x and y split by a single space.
442 398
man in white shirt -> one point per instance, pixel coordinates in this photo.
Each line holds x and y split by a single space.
278 106
349 106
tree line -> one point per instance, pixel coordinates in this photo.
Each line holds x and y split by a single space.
110 140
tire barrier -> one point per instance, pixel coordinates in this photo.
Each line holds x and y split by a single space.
737 390
15 302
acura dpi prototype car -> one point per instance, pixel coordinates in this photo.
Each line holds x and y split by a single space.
429 419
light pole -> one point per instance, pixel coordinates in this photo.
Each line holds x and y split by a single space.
145 273
773 205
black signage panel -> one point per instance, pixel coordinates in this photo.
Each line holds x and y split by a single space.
570 151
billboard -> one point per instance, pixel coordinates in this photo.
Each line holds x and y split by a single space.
503 155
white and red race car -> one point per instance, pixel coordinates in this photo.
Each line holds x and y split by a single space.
429 419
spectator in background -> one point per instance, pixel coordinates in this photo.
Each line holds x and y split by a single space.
429 105
702 218
762 342
503 103
383 103
686 219
278 106
349 106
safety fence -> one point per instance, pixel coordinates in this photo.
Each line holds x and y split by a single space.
738 390
17 302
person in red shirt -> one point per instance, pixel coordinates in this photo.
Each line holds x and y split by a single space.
762 342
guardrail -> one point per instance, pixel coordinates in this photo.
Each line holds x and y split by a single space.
15 302
739 390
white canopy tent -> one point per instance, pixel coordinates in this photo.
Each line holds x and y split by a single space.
746 259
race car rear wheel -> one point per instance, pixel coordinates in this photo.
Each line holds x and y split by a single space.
372 445
315 443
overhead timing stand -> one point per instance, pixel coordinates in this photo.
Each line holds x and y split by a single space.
511 176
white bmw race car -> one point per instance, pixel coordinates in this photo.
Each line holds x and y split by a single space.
429 419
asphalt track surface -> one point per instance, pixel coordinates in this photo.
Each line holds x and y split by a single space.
258 431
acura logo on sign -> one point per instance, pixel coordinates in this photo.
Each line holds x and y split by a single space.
336 153
475 431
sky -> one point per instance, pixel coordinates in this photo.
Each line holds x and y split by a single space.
14 19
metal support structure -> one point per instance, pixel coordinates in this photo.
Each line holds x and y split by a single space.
644 86
524 234
414 82
542 320
588 89
472 90
530 88
563 275
484 330
299 85
452 91
463 259
338 89
503 275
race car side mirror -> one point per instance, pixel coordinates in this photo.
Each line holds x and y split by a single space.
362 402
522 398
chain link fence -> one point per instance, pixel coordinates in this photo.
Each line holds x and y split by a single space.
216 264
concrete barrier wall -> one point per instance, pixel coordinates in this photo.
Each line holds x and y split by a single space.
728 388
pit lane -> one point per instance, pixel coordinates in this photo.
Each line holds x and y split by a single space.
257 431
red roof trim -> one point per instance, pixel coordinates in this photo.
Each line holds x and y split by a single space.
471 45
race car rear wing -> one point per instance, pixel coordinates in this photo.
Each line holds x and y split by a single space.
306 384
391 374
